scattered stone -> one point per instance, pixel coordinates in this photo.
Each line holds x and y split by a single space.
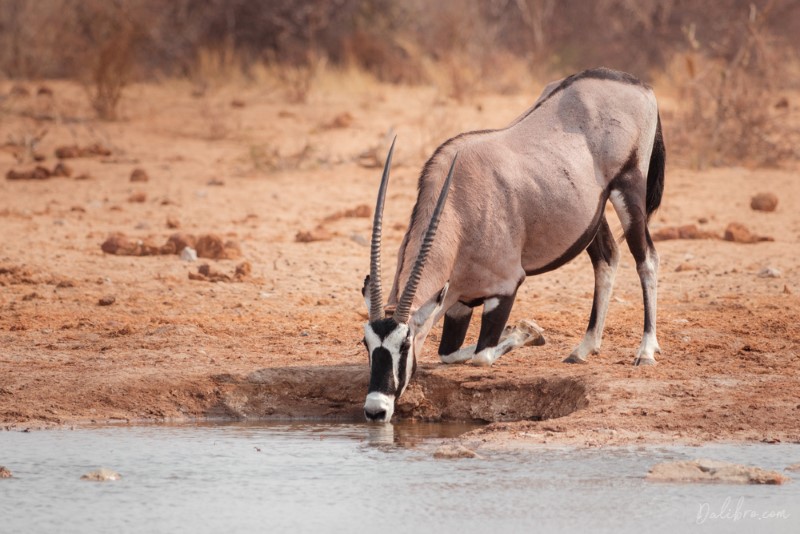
359 239
138 196
769 272
704 470
215 182
236 103
342 120
37 173
739 233
454 451
142 225
177 242
101 475
206 273
318 234
62 169
5 472
688 231
120 245
786 290
139 175
173 222
43 90
360 211
74 151
188 254
685 267
108 300
84 176
764 202
19 90
212 247
243 270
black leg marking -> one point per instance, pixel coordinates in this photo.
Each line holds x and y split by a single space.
629 200
494 321
455 329
604 253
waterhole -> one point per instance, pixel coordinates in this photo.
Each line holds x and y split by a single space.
434 395
348 477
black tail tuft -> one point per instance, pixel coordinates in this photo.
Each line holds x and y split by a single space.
655 174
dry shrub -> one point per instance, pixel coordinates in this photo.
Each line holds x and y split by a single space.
113 34
729 93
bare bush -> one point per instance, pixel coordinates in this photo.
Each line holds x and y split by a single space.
729 89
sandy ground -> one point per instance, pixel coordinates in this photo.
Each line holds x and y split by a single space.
258 171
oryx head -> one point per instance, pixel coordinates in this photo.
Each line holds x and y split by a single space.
392 342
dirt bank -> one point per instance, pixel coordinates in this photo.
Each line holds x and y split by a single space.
283 339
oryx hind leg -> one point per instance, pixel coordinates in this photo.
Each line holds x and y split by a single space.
456 324
629 203
604 254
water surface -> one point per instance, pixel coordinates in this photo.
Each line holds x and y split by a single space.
309 477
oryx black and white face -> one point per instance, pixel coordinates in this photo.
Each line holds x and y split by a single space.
392 342
392 363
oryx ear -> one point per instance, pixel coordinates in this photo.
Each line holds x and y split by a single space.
365 291
431 308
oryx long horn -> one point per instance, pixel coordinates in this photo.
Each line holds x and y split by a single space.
375 294
404 306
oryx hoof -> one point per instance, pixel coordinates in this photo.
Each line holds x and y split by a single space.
533 333
485 358
643 361
574 358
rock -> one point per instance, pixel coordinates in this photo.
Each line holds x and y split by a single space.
188 254
120 245
84 176
67 152
769 272
318 234
685 266
454 451
37 173
764 202
739 233
206 273
215 182
177 242
793 467
62 169
139 175
212 247
786 290
5 472
108 300
74 151
236 103
101 475
704 470
173 223
359 239
342 120
687 231
243 270
138 196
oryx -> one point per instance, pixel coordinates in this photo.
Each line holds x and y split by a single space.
495 206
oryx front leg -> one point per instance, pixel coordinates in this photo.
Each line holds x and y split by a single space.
604 254
456 324
631 210
495 315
